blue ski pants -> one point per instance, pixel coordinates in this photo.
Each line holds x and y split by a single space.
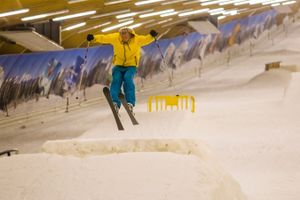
123 76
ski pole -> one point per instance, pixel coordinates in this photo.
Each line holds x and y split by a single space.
82 70
170 75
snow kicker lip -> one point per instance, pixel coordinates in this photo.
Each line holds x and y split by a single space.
85 147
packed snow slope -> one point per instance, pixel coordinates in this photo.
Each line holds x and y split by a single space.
247 121
248 116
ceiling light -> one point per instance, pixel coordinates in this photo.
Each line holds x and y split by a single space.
14 12
44 15
156 13
192 2
275 4
230 12
94 27
272 2
164 21
74 15
193 12
172 2
124 20
145 11
241 3
177 12
135 25
289 2
213 2
149 21
216 11
175 22
253 2
75 1
140 24
117 26
115 2
110 13
74 26
139 3
230 2
126 15
169 14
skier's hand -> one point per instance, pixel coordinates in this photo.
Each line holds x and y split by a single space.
153 33
90 37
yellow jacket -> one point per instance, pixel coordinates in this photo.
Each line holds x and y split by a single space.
125 54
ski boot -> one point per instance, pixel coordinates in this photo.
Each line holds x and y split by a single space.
117 108
130 106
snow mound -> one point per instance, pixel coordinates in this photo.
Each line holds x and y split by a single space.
271 79
84 147
292 95
280 52
288 44
146 169
266 87
291 68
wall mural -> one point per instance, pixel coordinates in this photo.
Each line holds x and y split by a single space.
28 76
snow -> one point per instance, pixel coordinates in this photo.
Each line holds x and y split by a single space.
115 176
293 91
243 139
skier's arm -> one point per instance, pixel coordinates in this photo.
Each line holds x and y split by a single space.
144 40
106 39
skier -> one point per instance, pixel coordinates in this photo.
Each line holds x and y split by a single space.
126 44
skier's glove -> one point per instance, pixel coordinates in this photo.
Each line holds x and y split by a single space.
90 37
153 33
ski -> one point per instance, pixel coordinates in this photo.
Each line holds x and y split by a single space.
124 103
110 102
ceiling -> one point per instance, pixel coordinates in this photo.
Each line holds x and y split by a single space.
104 16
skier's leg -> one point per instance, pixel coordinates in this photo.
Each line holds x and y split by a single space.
116 84
129 87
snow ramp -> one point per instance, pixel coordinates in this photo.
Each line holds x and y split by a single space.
148 169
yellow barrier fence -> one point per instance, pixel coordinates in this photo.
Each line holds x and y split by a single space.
164 102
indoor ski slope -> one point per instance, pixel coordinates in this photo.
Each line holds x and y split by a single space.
241 143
